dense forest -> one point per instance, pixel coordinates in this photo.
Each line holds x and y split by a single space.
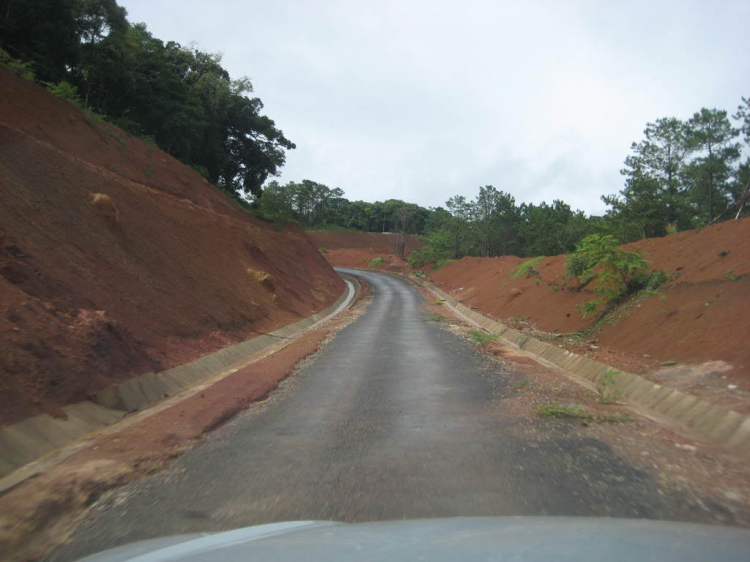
87 52
684 173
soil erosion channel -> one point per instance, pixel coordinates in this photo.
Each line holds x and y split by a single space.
394 418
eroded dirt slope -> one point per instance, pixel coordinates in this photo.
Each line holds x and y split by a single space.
703 313
116 260
359 249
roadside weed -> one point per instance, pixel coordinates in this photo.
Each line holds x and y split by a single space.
608 388
482 338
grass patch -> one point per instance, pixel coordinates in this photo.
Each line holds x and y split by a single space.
323 250
608 389
437 318
730 276
527 268
482 338
376 262
553 410
519 384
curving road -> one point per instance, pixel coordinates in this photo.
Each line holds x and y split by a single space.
395 418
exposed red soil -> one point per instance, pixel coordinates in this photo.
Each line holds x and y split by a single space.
116 259
376 241
359 249
39 513
701 320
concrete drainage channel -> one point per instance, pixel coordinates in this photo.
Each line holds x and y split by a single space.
717 424
35 444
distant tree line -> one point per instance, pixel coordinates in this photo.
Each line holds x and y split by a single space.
682 175
316 206
87 52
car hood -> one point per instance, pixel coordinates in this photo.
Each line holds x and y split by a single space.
527 539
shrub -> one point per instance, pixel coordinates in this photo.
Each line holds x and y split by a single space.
18 67
376 262
66 91
578 266
586 307
619 272
323 250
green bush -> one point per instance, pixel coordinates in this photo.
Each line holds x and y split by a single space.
619 272
578 266
323 250
587 307
428 253
18 67
66 91
376 262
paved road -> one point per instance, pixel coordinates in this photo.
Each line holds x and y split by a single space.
395 418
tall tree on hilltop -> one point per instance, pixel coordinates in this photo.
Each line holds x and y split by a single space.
495 215
741 187
654 194
711 133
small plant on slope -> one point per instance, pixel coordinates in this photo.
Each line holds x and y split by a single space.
608 388
527 268
482 338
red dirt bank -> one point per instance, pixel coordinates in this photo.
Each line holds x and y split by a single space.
704 317
116 259
358 249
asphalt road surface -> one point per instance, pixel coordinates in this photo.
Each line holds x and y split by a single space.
395 418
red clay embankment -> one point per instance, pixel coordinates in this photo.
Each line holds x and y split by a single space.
703 314
116 259
344 248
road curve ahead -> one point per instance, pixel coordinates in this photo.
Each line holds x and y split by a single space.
395 418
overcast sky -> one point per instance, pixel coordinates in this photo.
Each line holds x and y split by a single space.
422 100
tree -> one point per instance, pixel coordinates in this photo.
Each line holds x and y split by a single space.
44 33
711 133
495 218
458 225
548 230
741 187
654 197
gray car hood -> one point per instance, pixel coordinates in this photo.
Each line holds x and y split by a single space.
527 539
